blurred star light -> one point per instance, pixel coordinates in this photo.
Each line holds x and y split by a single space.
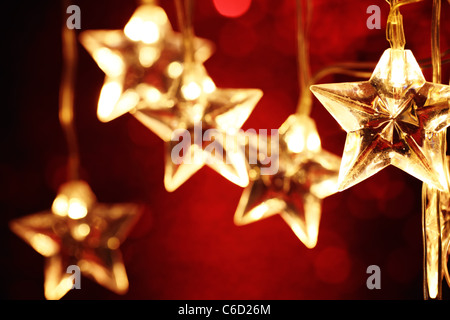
140 62
79 231
306 175
196 109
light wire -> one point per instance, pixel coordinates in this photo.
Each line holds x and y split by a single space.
66 95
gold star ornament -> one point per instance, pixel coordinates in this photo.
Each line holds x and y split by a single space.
306 174
79 231
200 125
394 118
141 62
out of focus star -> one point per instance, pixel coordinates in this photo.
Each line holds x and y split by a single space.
79 231
306 174
394 118
140 62
200 125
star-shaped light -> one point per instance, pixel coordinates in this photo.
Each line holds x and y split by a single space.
141 62
306 175
200 125
393 119
82 232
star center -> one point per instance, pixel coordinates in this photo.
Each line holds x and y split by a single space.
395 125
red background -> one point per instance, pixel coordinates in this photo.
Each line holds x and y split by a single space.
186 246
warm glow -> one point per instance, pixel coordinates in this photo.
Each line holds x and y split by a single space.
131 30
44 244
152 94
150 32
432 240
398 76
208 85
258 212
77 209
57 291
109 62
191 91
313 233
121 277
146 23
109 96
147 56
113 243
140 30
392 101
324 188
309 236
295 140
195 92
60 205
174 69
297 134
313 142
128 99
236 173
81 231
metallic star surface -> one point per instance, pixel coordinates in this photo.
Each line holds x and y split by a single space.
79 231
394 118
140 62
200 125
306 175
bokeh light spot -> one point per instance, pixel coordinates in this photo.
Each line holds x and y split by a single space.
232 8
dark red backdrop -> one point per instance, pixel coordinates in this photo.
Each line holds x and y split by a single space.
186 246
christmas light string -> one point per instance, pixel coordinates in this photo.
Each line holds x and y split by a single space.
300 144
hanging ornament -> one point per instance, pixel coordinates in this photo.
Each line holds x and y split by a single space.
394 118
306 175
79 231
199 122
199 127
141 62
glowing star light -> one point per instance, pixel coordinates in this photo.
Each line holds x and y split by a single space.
199 126
306 175
394 118
79 231
141 62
